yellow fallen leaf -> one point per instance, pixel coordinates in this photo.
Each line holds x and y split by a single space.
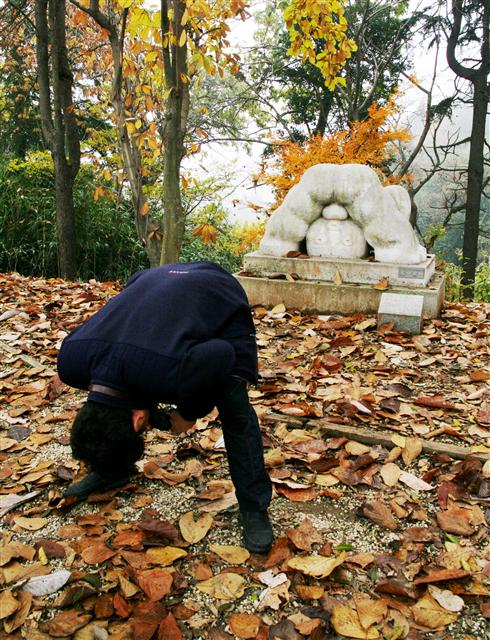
8 604
43 558
194 530
164 556
337 279
346 622
244 625
225 586
31 524
398 440
428 612
230 553
370 611
317 566
390 473
307 592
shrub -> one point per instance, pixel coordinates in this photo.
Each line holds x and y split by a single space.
106 239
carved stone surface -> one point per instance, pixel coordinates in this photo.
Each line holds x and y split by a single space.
382 213
335 239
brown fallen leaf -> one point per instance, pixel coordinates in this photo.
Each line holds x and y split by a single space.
379 513
244 625
225 586
66 623
304 535
411 450
457 521
307 592
16 620
297 495
382 284
169 629
429 613
8 604
303 624
437 402
195 530
97 553
156 583
443 574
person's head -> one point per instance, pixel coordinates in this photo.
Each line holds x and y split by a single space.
106 438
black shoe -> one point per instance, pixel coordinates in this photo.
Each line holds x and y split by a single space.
94 482
257 531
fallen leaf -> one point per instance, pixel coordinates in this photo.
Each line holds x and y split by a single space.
370 611
429 613
390 473
442 575
169 629
195 530
225 586
303 624
304 535
230 553
456 521
164 556
8 604
31 524
45 585
415 483
244 625
337 279
447 599
379 513
19 617
411 450
97 553
345 621
156 583
317 566
306 592
66 623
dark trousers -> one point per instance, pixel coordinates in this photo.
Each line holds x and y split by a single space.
243 442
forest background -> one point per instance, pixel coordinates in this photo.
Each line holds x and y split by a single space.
114 114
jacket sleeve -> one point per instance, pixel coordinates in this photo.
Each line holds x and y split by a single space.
203 372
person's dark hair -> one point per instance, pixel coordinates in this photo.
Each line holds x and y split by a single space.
104 438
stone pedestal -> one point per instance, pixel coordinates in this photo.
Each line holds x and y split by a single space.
351 271
316 291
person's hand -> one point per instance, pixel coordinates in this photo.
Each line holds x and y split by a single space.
180 424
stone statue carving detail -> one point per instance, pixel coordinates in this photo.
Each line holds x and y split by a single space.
380 213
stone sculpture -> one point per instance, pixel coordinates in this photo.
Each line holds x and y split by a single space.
381 213
335 236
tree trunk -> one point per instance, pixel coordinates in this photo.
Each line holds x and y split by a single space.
474 185
177 109
173 230
58 123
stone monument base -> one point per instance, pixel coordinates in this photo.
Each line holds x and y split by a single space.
351 271
328 297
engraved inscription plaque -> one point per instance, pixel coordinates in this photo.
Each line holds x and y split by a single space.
410 272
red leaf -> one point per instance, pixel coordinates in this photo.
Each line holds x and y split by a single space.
169 629
297 495
443 574
437 402
156 583
122 608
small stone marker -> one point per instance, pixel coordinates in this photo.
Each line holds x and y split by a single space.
405 310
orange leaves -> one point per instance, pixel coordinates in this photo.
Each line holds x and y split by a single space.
207 232
371 141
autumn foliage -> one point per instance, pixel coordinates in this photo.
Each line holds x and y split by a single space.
371 142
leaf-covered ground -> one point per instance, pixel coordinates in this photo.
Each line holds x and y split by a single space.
385 539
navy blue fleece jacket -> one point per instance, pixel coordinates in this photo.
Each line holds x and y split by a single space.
173 335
